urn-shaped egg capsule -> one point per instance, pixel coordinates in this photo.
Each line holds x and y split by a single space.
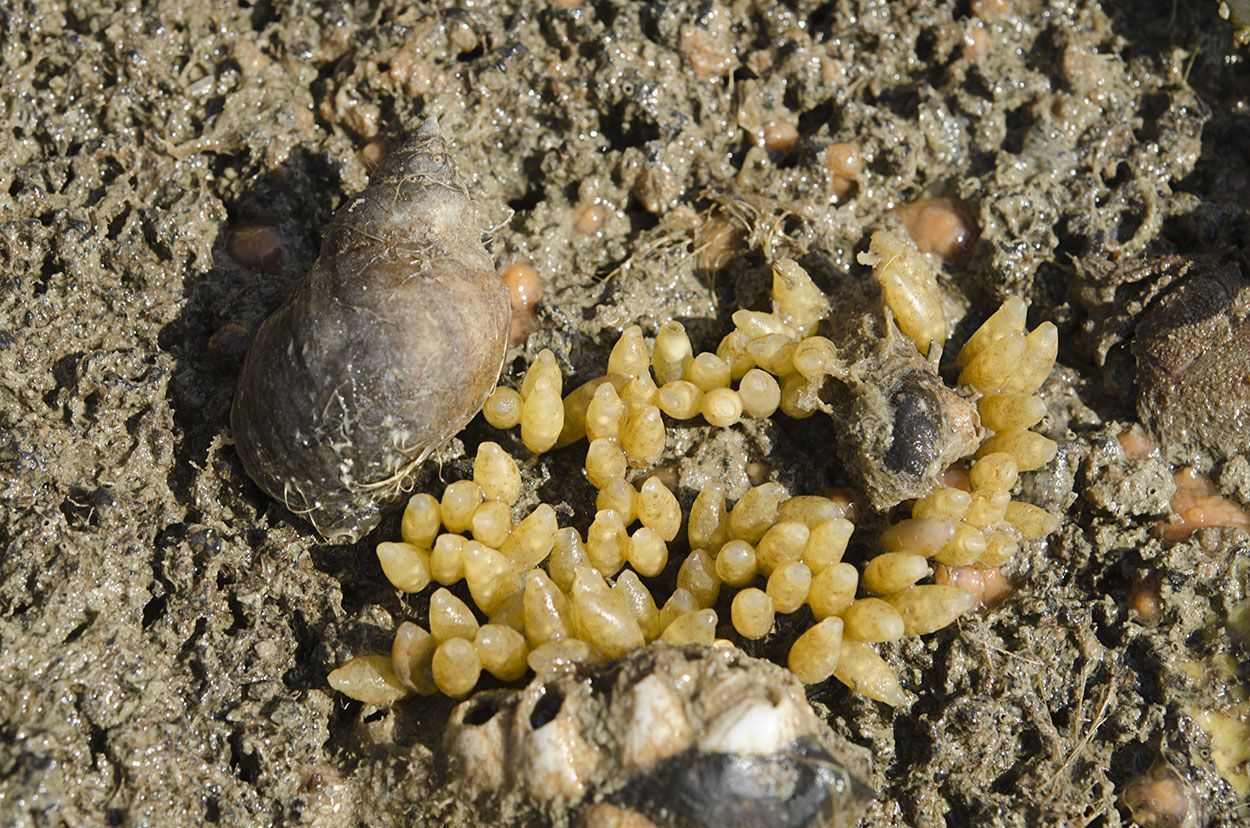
387 348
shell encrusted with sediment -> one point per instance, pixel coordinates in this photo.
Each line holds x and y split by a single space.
668 736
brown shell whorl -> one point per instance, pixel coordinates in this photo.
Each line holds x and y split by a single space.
385 350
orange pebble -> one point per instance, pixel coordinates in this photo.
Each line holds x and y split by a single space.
257 246
844 160
589 219
780 137
1198 504
940 226
757 472
1145 599
525 288
956 477
1136 443
976 42
1158 797
373 152
716 243
990 9
847 498
988 585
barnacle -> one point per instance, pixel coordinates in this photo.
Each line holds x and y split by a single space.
568 599
689 736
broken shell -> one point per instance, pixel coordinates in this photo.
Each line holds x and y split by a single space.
690 736
388 347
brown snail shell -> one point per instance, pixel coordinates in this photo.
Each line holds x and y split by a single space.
386 349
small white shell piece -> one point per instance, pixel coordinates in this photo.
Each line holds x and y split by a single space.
754 727
658 727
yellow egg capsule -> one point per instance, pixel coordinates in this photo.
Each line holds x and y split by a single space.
872 619
943 503
696 627
405 566
756 512
370 679
861 669
708 523
412 651
629 356
547 614
496 473
752 613
828 544
782 544
1030 450
421 521
567 555
708 372
648 554
1007 320
733 349
450 617
894 571
815 654
811 510
605 416
460 501
677 605
697 576
447 559
736 563
491 522
930 607
619 496
531 541
1032 522
542 413
722 407
558 657
643 437
832 590
502 651
456 667
789 587
1011 412
658 509
671 352
607 542
680 399
503 408
638 598
920 536
759 394
796 298
490 575
605 621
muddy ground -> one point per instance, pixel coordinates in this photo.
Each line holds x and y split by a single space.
166 630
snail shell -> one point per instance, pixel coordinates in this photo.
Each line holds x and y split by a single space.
386 349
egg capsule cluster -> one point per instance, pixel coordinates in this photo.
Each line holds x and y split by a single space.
552 598
1008 366
775 359
977 525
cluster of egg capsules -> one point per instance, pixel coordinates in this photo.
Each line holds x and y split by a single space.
553 599
974 523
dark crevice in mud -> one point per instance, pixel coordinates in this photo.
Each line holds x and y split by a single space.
246 764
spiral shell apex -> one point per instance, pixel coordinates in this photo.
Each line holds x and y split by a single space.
385 350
